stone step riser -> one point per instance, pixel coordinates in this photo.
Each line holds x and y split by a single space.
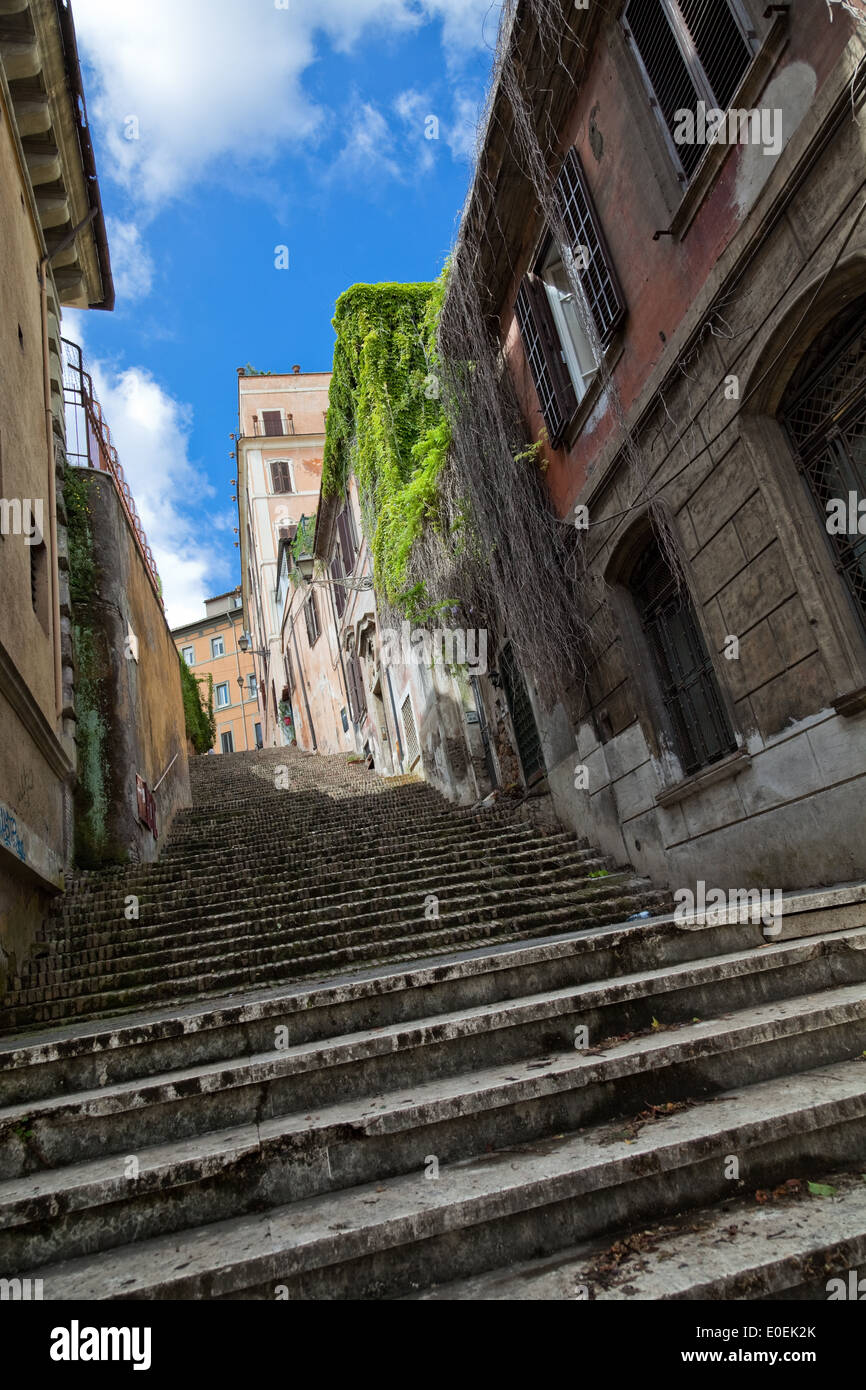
416 994
343 891
303 958
286 1170
689 1066
141 948
291 851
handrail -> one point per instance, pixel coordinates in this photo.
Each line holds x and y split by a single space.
165 774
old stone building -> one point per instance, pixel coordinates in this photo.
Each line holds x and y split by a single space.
53 254
684 320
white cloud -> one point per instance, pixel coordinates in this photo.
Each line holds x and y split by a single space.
151 432
462 133
131 265
369 145
211 81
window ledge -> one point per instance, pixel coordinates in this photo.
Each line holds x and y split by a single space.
710 166
731 766
851 703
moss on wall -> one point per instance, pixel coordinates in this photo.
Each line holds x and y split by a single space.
93 842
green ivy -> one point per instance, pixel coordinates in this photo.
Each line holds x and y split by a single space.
385 421
200 721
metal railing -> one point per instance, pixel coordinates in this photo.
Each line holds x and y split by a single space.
88 445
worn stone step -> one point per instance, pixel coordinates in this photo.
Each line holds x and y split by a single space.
792 1245
571 1087
387 1239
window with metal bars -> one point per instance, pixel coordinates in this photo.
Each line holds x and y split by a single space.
281 476
689 51
544 356
824 412
686 675
413 748
522 716
311 614
592 259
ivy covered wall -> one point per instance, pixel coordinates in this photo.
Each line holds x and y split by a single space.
386 424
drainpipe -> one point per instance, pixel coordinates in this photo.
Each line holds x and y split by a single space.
49 435
240 687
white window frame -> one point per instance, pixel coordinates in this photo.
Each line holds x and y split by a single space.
576 346
215 655
188 654
226 703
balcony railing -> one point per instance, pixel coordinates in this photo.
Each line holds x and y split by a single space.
273 429
88 445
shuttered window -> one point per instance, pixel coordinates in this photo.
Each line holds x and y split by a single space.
346 532
338 589
688 51
587 244
290 670
272 421
281 476
311 613
544 355
413 750
357 694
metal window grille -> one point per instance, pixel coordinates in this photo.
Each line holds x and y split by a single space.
413 750
824 411
595 267
536 357
522 716
686 674
688 51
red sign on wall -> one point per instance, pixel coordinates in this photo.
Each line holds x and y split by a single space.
146 805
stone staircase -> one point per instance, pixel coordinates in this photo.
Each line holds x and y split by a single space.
481 1122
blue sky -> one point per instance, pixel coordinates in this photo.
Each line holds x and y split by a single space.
224 130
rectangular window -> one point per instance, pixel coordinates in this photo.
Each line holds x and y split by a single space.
346 533
188 655
357 693
223 697
311 613
227 742
413 750
290 670
258 734
253 687
281 476
689 51
338 588
217 647
545 357
593 264
272 422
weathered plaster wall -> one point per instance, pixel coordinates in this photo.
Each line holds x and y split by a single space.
130 713
34 766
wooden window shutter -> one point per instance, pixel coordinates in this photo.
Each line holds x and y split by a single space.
347 540
272 421
594 264
281 476
688 51
338 589
556 394
357 698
